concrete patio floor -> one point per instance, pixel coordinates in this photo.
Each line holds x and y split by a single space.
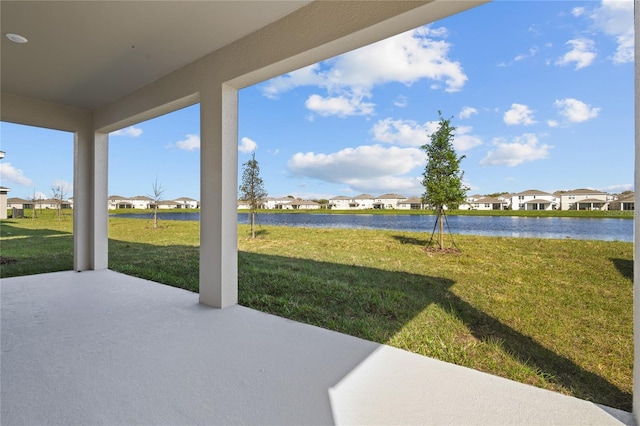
101 347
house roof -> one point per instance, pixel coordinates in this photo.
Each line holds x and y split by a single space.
490 200
583 191
185 199
16 200
531 192
411 200
391 197
116 197
141 197
363 197
340 197
303 203
591 200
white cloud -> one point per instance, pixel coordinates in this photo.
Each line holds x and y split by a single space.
405 58
519 114
411 133
365 168
532 52
11 174
618 188
575 111
403 132
192 142
401 101
247 145
577 11
131 131
582 53
341 106
524 148
552 123
467 112
615 19
463 141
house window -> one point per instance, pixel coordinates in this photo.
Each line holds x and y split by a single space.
487 205
520 197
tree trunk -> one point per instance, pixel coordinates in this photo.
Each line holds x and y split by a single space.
155 216
441 230
253 220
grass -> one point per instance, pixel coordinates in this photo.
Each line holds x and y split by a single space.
556 314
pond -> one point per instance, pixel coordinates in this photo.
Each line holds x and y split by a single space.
606 229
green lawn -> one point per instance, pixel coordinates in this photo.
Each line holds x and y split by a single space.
552 313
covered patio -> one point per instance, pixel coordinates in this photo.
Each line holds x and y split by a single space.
100 347
91 346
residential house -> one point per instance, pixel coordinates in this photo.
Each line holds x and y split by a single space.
363 201
3 202
411 203
388 201
489 203
533 199
243 205
166 205
301 205
19 203
141 202
584 199
624 202
341 202
276 203
119 202
187 203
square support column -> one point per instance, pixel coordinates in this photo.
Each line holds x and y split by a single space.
90 186
218 196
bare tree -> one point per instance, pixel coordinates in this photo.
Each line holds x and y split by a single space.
59 192
158 190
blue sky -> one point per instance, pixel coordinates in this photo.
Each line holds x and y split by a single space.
541 94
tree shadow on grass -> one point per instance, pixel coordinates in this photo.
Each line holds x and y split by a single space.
403 239
34 251
375 304
624 266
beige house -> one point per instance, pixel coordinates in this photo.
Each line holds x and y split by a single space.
342 202
624 202
19 203
3 202
489 203
301 205
411 203
584 199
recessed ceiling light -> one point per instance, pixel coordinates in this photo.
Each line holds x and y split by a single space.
16 38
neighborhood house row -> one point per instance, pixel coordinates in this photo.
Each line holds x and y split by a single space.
579 199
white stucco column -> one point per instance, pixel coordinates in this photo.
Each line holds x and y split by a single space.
90 178
218 196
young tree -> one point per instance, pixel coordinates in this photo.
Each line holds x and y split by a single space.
442 177
252 188
59 192
158 190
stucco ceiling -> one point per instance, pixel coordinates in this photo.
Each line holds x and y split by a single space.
89 53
